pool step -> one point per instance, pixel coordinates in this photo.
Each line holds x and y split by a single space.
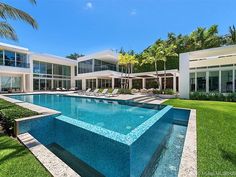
145 99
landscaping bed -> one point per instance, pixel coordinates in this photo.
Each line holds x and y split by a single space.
9 112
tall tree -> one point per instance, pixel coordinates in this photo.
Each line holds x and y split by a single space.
127 60
8 12
74 56
232 35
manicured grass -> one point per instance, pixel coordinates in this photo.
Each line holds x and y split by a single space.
216 136
17 161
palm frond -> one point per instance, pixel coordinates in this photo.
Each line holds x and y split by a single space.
33 1
6 31
7 11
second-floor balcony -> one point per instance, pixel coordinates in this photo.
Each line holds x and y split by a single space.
13 63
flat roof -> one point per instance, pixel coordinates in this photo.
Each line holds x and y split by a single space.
106 55
10 46
213 52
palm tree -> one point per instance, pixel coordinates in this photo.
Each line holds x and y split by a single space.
74 56
9 12
232 35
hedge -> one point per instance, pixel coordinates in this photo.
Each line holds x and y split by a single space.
229 97
9 112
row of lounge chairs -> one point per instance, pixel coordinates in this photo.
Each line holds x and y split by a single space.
89 92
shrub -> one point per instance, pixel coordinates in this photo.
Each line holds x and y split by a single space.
213 96
9 112
124 91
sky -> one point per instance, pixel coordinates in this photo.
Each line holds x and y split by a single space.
87 26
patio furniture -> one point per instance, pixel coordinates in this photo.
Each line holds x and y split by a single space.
88 91
104 92
113 94
58 89
94 93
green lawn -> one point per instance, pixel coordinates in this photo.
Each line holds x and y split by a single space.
17 161
216 135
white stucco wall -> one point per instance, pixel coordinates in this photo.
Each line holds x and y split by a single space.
184 75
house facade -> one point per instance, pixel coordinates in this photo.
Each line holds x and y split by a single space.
211 70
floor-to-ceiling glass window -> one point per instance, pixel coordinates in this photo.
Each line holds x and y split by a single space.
1 57
104 83
137 83
90 83
5 83
102 65
36 84
51 76
21 60
226 81
16 83
214 81
201 81
9 58
78 84
192 82
85 66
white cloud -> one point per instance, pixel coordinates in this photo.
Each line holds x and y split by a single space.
89 5
133 12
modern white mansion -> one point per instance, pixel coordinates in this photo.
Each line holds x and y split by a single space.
24 71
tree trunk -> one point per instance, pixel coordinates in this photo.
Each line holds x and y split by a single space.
157 74
164 75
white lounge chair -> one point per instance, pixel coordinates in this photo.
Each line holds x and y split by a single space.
58 89
104 92
88 91
95 92
114 93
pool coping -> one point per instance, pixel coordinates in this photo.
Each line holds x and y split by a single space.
53 164
188 163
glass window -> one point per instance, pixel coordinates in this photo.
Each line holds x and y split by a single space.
16 82
9 58
192 82
214 81
43 68
78 84
75 70
48 85
90 83
85 66
42 84
36 67
36 84
49 68
201 81
226 81
5 83
21 60
102 65
1 57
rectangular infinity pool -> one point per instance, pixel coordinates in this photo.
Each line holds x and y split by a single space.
102 113
113 138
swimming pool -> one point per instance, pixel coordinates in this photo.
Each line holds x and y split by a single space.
115 138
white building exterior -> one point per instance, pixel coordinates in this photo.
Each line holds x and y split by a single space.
211 70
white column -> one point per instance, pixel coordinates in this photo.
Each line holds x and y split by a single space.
23 83
195 80
160 83
112 82
72 73
184 75
83 84
144 83
207 81
174 82
130 84
96 83
233 80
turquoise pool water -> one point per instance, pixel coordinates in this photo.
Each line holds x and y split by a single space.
118 117
110 137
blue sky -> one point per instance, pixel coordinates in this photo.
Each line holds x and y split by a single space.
85 26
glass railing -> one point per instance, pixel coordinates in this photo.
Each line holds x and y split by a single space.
12 63
105 67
